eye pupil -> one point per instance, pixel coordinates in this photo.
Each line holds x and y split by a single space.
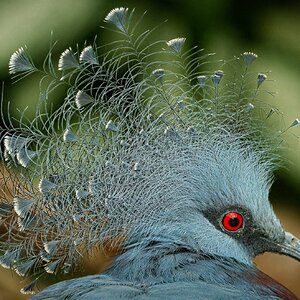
232 221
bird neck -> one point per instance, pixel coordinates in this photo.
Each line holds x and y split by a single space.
158 262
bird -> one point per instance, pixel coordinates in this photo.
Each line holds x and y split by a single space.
151 155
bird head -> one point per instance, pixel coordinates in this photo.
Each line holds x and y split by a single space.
214 198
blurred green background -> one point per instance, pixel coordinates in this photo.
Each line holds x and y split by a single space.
228 27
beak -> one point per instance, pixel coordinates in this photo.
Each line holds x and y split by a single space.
290 246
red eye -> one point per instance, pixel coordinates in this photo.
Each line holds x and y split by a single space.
232 221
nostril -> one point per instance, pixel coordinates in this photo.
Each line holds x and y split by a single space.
293 242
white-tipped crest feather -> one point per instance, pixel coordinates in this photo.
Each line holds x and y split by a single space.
88 56
20 62
67 60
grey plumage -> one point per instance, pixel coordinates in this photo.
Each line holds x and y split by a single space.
168 162
101 287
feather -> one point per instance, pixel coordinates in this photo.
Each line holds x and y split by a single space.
23 206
